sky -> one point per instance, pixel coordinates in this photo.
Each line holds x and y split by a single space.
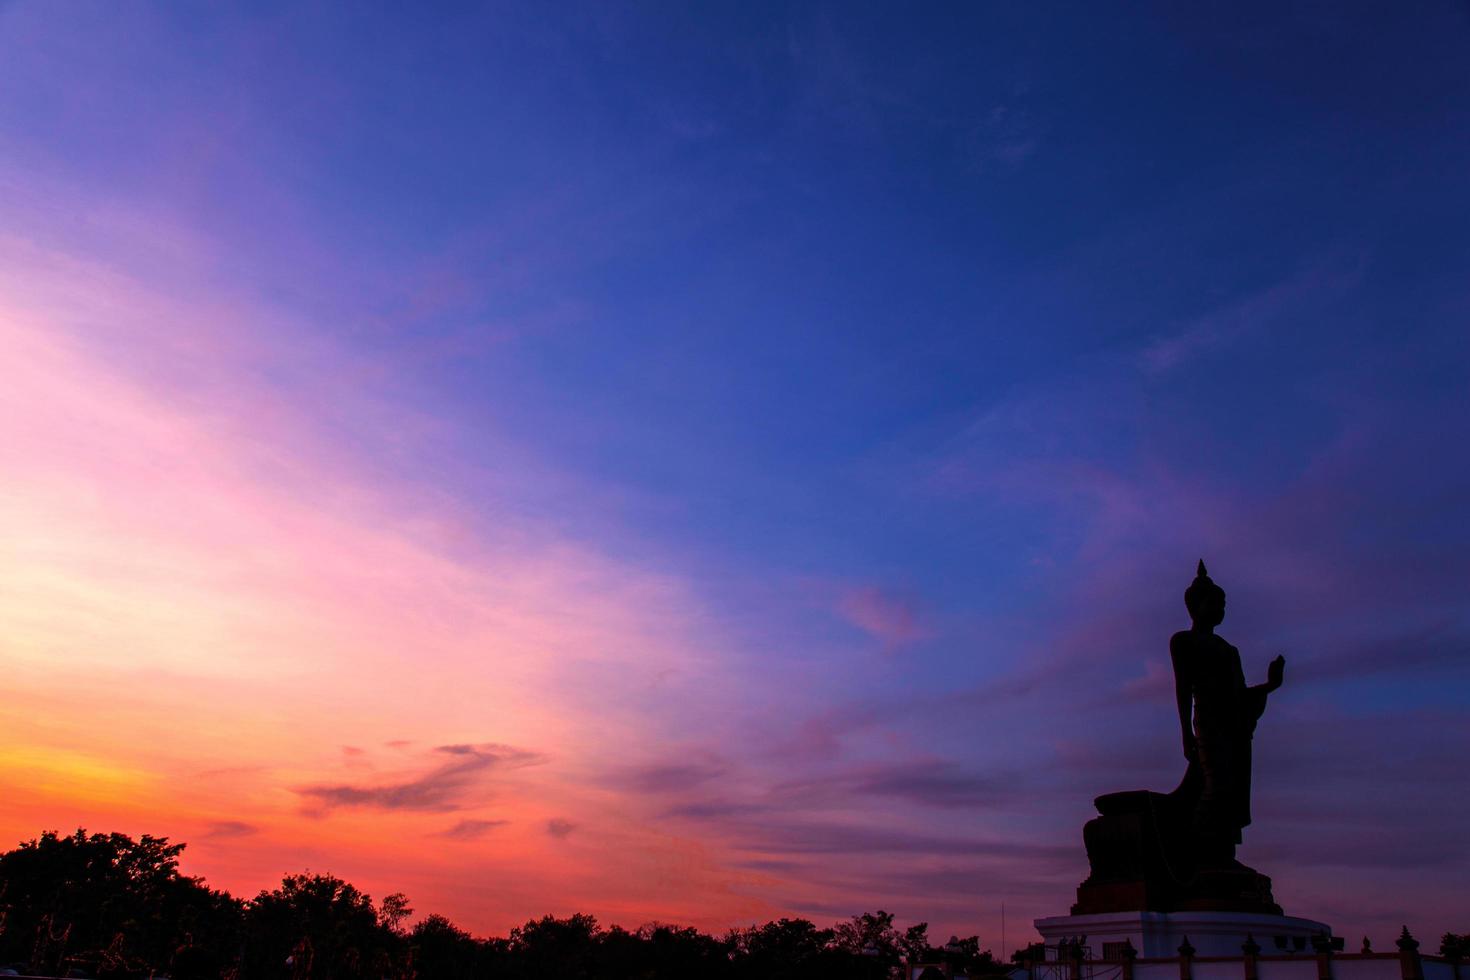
709 462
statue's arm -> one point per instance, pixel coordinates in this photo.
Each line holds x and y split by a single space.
1275 675
1183 696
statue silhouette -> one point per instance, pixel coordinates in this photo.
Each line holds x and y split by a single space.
1217 715
1167 851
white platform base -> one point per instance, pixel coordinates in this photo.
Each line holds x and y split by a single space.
1162 933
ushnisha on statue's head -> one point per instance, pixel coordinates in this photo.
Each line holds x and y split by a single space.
1205 600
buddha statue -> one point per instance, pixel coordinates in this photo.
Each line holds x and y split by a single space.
1166 852
1217 718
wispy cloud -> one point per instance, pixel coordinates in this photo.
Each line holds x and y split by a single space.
229 829
471 829
936 783
893 618
1265 309
669 777
445 787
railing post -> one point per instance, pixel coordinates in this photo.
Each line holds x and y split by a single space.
1129 955
1074 955
1251 949
1322 944
1409 966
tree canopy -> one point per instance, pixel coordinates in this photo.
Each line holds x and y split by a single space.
109 906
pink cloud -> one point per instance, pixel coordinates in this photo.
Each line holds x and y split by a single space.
889 617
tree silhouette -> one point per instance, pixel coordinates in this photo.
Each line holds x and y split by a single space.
106 902
438 948
789 949
324 927
118 909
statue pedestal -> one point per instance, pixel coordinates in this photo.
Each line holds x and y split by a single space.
1160 934
1144 855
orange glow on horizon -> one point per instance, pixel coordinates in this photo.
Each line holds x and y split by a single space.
212 614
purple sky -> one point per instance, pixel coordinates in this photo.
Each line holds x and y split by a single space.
721 461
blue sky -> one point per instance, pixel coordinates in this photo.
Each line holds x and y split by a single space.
887 369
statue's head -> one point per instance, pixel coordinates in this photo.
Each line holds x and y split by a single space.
1204 599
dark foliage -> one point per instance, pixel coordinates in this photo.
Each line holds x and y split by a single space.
440 949
108 906
788 949
318 926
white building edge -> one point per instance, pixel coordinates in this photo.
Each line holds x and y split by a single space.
1216 946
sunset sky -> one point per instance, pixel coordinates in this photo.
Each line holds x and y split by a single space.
709 462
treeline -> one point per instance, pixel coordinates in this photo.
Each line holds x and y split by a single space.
108 906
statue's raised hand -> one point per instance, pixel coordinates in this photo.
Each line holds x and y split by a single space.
1275 671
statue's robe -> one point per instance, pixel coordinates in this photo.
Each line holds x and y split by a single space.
1225 714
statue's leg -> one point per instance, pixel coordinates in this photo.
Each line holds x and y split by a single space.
1215 828
1243 813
